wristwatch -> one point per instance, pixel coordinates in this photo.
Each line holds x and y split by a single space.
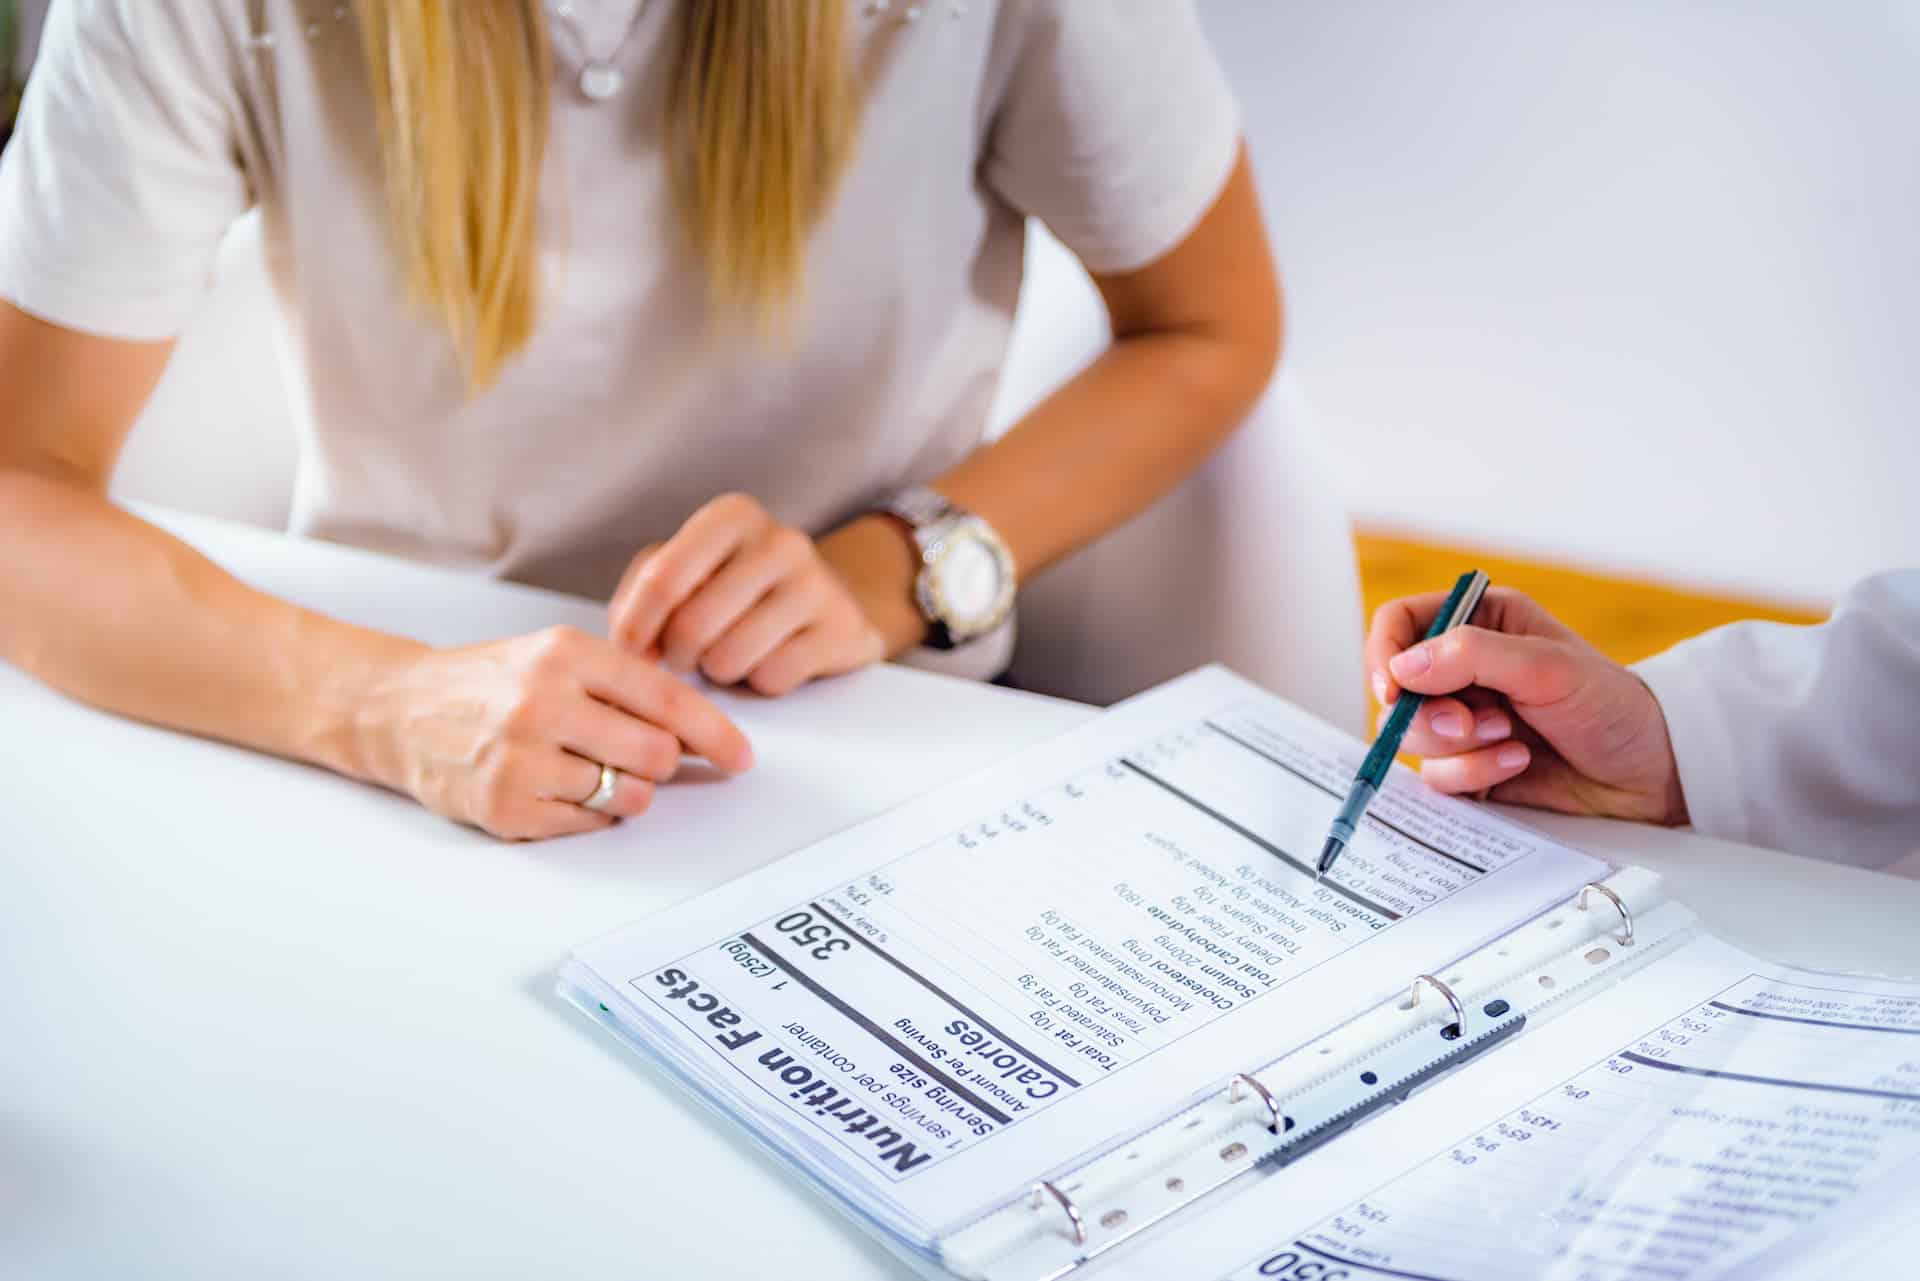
966 583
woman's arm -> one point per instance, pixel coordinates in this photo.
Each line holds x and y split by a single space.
1196 337
119 614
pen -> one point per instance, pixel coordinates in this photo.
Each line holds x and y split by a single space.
1459 607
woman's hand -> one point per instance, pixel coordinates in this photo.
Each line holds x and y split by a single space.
742 598
1520 705
510 736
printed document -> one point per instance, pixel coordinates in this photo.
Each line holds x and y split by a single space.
1712 1116
932 1009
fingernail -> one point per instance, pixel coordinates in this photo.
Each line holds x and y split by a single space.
1494 728
1448 725
1412 663
1379 687
1512 756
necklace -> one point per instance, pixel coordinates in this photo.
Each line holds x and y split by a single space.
600 78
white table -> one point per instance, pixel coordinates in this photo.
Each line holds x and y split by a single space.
258 1020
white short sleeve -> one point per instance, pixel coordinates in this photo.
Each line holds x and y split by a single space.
1116 127
124 172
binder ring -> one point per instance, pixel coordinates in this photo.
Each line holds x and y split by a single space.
1459 1023
1066 1203
1625 936
1273 1105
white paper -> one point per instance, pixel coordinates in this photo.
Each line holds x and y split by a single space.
937 1008
1759 1116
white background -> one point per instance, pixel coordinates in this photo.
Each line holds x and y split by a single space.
1636 283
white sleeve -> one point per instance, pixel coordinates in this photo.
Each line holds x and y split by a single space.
1116 127
124 173
1805 739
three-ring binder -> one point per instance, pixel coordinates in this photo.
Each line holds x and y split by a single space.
1009 1078
1312 1095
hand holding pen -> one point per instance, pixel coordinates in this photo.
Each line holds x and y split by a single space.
1521 709
1457 609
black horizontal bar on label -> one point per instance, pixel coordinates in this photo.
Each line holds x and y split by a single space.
1260 841
1823 1087
874 1030
1310 781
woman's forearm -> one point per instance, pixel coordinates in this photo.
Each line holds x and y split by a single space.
526 737
117 613
1096 452
1196 337
1106 445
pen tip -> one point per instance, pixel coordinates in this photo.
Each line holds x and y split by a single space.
1328 852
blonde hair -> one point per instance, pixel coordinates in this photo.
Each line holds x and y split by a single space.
762 117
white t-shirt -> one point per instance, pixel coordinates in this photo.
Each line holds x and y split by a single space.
151 125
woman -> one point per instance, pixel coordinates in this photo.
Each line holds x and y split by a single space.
694 302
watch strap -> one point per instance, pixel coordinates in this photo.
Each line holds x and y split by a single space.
919 506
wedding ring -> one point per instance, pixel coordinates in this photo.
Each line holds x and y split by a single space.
603 794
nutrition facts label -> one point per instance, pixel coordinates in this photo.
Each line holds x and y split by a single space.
1040 948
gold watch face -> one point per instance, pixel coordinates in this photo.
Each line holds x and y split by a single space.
968 583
